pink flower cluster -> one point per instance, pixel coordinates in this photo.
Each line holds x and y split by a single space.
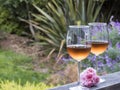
89 78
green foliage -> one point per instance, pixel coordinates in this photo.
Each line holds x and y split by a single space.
84 11
9 23
52 21
53 29
18 67
114 36
11 85
113 53
12 10
6 24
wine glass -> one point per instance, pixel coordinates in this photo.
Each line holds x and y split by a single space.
78 44
99 39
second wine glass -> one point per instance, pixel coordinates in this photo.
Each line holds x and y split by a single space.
99 39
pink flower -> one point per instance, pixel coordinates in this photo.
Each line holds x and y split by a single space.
96 79
90 70
89 78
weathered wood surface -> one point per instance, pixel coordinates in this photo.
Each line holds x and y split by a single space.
112 83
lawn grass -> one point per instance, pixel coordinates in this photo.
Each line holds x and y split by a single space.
18 68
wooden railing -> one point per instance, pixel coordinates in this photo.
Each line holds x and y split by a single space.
112 83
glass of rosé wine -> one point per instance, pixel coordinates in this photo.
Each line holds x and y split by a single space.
99 39
78 44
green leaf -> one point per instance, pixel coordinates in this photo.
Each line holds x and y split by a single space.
98 10
61 47
44 13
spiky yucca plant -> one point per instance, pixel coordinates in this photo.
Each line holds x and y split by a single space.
53 20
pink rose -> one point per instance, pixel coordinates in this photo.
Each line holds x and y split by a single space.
90 70
89 77
96 79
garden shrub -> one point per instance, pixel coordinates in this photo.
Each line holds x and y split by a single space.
12 10
7 23
52 22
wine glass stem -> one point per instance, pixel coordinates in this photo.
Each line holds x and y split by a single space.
79 71
96 61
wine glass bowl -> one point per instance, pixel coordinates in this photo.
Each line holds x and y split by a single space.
99 37
78 52
98 47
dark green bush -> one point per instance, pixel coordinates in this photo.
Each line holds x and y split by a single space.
12 10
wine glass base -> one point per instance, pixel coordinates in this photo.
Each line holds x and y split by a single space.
102 80
79 88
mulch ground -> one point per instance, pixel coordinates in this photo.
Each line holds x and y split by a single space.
25 46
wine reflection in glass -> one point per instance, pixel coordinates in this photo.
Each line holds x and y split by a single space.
99 39
78 44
